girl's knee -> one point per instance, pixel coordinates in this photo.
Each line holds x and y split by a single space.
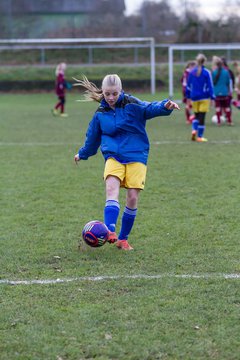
132 198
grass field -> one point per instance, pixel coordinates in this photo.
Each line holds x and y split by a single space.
176 296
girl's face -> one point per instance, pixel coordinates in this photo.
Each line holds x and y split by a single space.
111 95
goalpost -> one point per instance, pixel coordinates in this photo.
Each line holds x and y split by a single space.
148 41
199 47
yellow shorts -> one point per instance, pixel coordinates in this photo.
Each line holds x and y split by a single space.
131 175
201 106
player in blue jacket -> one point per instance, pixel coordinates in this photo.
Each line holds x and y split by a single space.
118 128
199 91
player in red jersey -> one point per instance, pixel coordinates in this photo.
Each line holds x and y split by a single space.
237 82
60 87
232 86
189 116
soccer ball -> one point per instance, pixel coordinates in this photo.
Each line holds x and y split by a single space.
215 120
95 233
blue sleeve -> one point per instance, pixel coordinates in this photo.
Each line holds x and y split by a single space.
155 108
92 141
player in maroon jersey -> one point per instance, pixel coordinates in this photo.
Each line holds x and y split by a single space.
189 116
237 82
232 77
60 87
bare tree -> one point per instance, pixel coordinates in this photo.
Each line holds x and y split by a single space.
190 29
183 23
159 20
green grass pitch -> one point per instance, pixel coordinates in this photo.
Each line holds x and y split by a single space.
186 240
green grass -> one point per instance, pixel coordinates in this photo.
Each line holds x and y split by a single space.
132 73
29 73
47 73
187 224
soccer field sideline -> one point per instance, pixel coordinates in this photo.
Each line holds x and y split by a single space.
120 277
164 142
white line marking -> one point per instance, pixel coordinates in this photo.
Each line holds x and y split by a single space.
163 142
35 144
120 277
179 142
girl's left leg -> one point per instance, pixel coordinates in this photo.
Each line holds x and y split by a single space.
129 216
228 114
62 105
201 127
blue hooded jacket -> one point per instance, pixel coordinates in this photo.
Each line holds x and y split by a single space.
199 87
121 132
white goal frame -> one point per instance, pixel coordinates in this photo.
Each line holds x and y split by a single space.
199 47
150 41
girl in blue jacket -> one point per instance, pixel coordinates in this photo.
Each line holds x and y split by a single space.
199 92
118 128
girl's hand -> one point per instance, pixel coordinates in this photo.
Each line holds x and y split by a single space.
171 105
76 158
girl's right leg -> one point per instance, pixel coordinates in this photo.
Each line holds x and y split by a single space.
228 114
59 103
195 122
55 111
201 127
112 207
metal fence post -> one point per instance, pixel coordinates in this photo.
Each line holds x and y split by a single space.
42 56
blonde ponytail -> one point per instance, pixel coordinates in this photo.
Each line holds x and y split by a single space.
200 62
92 92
